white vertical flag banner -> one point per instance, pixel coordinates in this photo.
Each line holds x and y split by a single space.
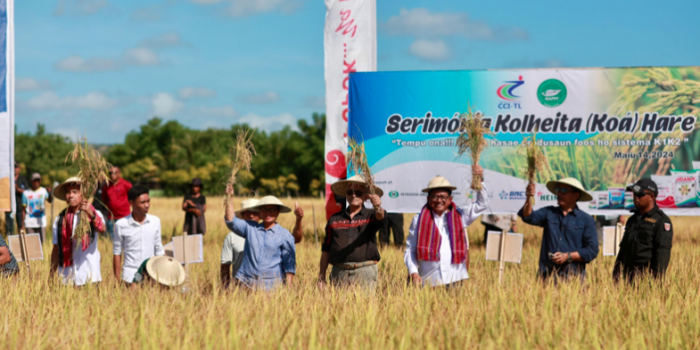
350 45
7 106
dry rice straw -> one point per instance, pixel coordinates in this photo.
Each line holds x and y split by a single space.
536 159
472 140
240 155
357 162
91 167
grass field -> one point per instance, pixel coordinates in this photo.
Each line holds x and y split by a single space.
519 314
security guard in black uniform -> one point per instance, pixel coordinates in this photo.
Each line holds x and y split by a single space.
646 245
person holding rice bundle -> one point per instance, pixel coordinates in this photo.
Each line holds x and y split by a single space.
351 237
437 248
570 240
77 260
269 256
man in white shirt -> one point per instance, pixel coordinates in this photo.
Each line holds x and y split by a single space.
77 260
136 236
437 248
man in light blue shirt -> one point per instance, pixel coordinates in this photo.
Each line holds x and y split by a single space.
269 256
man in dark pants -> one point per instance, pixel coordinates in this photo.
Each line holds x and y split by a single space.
21 184
646 245
394 223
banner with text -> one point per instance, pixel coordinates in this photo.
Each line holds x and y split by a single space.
606 127
7 108
350 45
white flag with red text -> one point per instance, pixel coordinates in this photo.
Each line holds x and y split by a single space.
350 45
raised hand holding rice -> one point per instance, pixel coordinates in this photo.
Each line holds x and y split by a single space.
472 140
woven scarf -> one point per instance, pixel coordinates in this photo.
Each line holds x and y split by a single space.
429 236
65 221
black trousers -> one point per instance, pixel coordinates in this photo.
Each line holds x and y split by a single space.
10 223
394 222
489 227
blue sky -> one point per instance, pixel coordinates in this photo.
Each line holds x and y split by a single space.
102 68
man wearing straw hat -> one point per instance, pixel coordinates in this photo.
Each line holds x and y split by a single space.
570 240
351 236
232 251
437 248
164 270
269 256
76 260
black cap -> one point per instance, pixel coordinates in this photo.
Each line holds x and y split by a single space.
197 182
16 165
644 184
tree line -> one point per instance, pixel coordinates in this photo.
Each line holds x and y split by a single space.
168 155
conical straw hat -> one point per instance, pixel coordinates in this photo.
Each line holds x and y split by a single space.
585 196
438 182
60 190
166 270
340 187
247 205
272 200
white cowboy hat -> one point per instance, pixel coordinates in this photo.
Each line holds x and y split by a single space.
247 205
166 270
340 187
60 190
438 182
585 196
272 200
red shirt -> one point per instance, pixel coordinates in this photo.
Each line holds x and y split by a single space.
115 198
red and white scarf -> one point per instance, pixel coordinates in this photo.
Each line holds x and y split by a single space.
429 236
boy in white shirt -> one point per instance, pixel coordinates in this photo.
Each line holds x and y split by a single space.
137 236
33 200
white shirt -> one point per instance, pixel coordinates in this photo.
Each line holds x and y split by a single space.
137 241
86 264
441 272
232 252
35 211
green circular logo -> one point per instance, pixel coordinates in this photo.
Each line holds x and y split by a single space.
393 194
551 93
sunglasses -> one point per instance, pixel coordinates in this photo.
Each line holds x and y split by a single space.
640 195
113 172
357 193
562 190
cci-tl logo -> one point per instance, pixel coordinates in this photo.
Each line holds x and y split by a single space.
507 92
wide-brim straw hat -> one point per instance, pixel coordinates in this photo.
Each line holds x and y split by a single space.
166 270
585 196
272 200
438 182
340 187
247 205
60 190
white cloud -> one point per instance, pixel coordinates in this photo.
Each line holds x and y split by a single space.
243 8
430 50
162 41
95 64
141 56
51 101
79 7
195 92
261 98
420 22
31 84
315 102
271 123
163 104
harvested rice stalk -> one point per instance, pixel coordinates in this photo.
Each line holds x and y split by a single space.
472 140
536 159
357 161
91 167
240 156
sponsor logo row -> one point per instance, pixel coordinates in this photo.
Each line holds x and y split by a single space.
551 93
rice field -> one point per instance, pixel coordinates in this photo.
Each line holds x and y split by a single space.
520 313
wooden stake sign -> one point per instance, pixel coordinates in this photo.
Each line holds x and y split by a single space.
26 247
187 252
504 247
612 236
